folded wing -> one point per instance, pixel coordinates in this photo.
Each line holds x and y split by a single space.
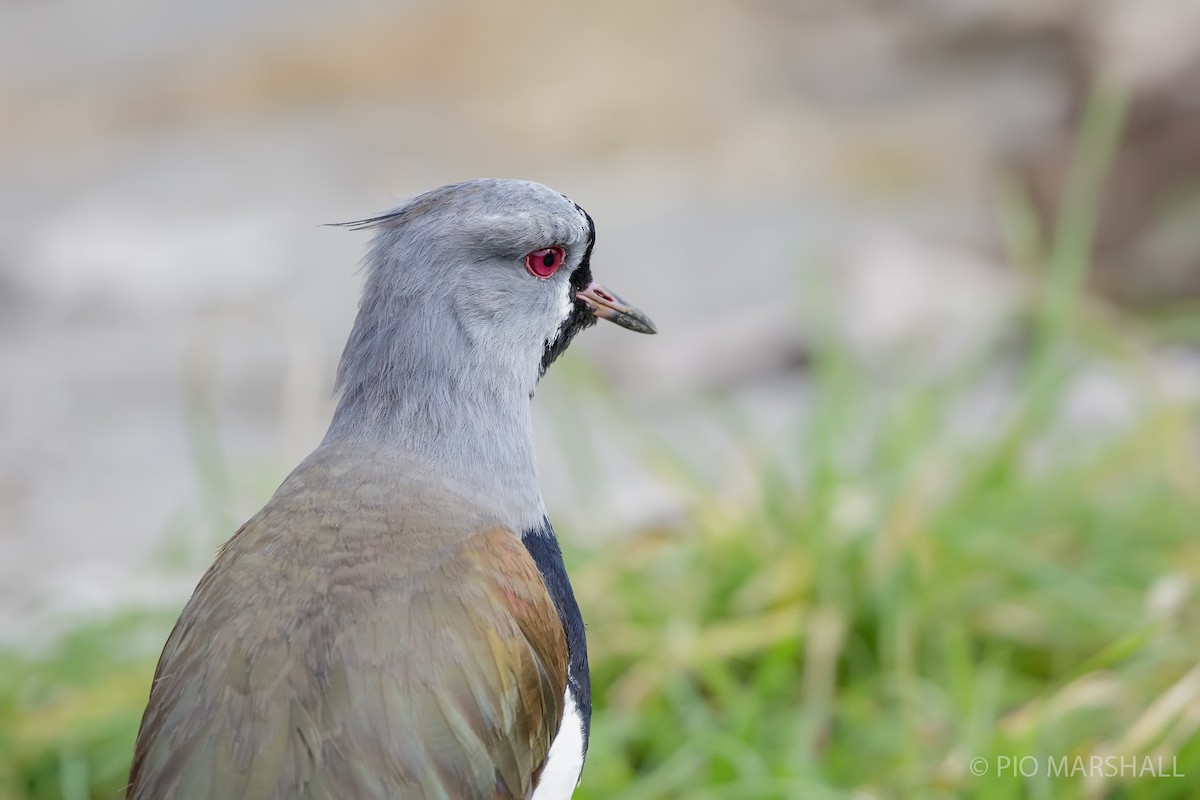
327 667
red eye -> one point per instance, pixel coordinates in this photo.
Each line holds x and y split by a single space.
544 263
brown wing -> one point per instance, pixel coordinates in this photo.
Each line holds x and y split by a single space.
318 659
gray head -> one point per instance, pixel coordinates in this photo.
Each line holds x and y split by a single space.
471 291
488 276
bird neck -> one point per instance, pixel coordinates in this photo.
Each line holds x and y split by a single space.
436 402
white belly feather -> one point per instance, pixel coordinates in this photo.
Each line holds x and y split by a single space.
565 762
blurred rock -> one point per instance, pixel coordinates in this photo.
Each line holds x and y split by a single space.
900 299
105 257
1147 249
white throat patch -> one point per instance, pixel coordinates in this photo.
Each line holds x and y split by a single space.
565 305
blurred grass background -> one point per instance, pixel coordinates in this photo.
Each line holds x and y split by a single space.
914 590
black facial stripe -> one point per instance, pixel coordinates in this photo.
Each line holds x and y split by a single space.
582 275
581 316
543 547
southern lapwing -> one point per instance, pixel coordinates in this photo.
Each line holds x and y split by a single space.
397 621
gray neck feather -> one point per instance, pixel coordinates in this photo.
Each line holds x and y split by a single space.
417 383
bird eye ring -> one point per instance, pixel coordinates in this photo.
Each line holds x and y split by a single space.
545 262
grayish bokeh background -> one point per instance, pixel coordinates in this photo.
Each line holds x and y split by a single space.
171 310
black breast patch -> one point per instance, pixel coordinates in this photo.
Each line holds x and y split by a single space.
542 545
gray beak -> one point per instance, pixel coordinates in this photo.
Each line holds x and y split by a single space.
606 305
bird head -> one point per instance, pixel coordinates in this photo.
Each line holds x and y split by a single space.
498 269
